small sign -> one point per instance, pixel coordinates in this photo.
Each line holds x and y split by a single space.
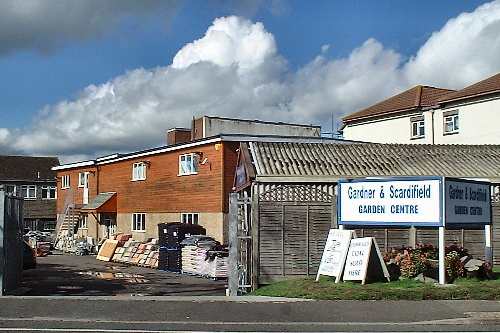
334 254
364 261
467 202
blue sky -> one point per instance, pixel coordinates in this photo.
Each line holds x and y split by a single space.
55 66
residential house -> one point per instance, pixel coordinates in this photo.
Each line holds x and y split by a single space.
33 179
188 181
429 115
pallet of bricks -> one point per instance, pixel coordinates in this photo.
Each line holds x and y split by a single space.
137 253
204 256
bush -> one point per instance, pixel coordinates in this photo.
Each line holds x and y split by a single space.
413 261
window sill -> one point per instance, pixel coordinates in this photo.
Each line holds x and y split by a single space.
65 188
81 186
187 174
49 198
30 199
451 133
138 180
83 229
417 137
142 231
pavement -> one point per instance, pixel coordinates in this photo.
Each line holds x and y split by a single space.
69 275
80 294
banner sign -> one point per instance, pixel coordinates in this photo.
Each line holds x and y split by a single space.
467 202
414 201
333 259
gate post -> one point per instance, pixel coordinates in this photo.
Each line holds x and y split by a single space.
2 241
233 273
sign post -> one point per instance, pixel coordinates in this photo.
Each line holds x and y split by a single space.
417 201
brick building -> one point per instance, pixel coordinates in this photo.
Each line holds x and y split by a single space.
32 179
188 181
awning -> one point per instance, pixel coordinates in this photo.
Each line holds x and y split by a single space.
103 203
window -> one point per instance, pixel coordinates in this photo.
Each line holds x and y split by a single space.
28 191
139 171
49 192
189 218
417 127
10 189
138 222
82 223
65 181
450 122
49 226
188 164
81 179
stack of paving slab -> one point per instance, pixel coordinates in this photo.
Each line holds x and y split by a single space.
136 253
196 259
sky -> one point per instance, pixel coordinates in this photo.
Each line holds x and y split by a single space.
81 79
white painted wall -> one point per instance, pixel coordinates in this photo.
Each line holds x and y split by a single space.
479 124
387 130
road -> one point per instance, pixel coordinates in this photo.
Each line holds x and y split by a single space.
202 313
63 275
80 294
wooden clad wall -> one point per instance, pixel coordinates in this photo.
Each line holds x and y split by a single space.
292 237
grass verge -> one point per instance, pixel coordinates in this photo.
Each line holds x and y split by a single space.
327 289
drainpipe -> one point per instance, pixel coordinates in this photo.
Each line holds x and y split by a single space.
432 125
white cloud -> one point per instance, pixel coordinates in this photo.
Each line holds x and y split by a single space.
465 50
235 70
4 135
43 25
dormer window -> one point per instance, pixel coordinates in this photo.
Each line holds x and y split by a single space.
139 171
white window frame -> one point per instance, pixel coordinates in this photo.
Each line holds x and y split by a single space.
139 171
188 164
190 218
48 188
138 220
418 129
28 187
65 182
453 120
83 223
81 179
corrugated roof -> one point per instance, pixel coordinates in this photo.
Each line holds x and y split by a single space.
26 168
98 201
370 159
485 87
409 100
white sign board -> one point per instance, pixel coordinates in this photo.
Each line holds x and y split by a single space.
364 260
412 201
357 259
334 254
467 202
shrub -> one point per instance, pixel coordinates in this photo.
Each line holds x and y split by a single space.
454 266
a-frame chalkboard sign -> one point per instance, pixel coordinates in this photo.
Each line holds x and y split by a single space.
364 261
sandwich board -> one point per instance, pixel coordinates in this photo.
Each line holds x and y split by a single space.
334 254
364 261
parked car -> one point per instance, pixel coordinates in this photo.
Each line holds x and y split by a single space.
29 256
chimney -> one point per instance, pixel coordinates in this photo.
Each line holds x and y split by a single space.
178 135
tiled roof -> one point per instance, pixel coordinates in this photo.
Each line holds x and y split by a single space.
485 87
26 168
370 159
409 100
